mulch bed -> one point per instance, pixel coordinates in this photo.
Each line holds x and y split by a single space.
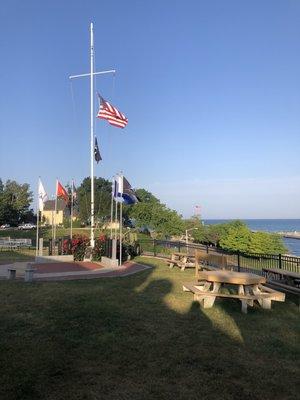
46 268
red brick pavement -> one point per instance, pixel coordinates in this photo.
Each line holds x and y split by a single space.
46 268
127 268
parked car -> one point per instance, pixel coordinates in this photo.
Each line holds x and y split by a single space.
26 227
5 226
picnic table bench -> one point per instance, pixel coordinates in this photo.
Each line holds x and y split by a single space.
181 260
247 288
211 262
200 260
287 281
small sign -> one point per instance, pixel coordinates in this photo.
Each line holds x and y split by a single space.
88 254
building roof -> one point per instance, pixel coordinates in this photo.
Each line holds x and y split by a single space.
49 205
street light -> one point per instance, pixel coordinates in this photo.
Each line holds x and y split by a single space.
186 234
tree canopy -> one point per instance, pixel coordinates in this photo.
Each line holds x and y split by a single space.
155 215
15 200
102 196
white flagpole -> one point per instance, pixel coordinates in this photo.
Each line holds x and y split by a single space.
37 222
121 219
121 226
112 208
55 215
116 218
91 75
72 200
92 136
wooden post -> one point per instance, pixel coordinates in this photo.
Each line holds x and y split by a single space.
279 261
179 247
50 247
154 248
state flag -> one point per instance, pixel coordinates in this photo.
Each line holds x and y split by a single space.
61 192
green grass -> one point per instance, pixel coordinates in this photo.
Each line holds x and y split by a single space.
142 337
11 256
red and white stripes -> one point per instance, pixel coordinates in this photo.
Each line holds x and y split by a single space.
111 114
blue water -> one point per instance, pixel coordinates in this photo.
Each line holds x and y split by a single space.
271 225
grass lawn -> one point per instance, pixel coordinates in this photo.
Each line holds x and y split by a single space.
142 337
11 256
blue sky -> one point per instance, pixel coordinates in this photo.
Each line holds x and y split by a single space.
210 88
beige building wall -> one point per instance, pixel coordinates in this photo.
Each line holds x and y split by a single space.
50 216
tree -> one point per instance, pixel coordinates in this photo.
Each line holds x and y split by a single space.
150 212
196 228
15 200
266 243
146 197
102 197
237 239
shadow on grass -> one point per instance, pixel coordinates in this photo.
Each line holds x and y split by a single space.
140 337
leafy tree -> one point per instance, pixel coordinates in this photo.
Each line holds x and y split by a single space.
267 243
15 200
152 213
237 239
102 199
146 197
197 229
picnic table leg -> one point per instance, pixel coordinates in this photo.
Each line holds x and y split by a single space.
266 304
241 290
255 291
184 261
172 259
208 302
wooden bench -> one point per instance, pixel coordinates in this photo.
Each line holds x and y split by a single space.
209 262
206 299
287 281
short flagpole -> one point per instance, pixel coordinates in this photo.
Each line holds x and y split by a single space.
55 215
112 207
72 201
37 223
121 226
116 218
121 214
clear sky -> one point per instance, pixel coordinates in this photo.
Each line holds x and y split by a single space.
211 89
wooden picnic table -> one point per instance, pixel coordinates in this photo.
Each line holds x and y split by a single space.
247 288
182 260
282 273
284 280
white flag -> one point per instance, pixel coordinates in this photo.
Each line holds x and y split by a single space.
42 196
117 188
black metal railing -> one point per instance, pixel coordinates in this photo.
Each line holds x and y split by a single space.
239 261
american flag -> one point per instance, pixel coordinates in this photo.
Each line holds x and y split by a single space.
111 114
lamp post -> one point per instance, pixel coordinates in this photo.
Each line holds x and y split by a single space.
186 235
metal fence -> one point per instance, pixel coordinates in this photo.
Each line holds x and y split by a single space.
239 261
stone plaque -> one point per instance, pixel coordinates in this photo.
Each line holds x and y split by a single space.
88 254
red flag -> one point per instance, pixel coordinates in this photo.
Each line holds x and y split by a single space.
111 114
61 192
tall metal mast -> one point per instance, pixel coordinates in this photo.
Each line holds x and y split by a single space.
91 75
92 137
